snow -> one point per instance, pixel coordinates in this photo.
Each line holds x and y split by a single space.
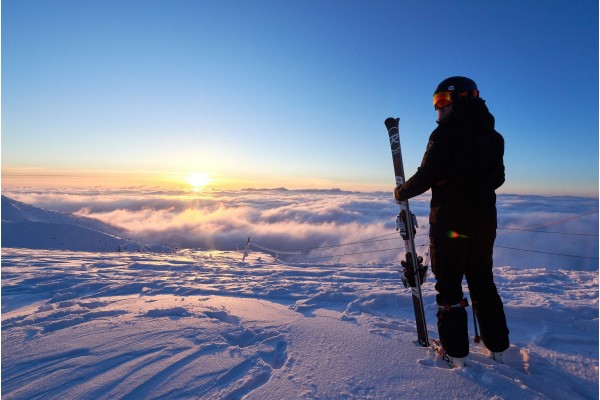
205 324
30 227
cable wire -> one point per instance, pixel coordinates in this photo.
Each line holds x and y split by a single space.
546 252
559 233
381 238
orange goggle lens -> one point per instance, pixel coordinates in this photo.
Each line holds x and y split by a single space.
442 99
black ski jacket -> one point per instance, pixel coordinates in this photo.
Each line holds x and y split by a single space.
463 165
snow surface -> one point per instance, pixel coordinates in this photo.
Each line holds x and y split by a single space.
216 325
83 325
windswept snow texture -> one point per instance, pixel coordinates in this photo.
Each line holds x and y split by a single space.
205 325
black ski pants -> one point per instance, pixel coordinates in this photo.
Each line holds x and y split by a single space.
454 255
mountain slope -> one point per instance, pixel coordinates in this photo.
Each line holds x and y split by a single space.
26 226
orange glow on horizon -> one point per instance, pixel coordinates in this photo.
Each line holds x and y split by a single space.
13 177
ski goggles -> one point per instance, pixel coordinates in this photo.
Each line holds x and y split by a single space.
442 99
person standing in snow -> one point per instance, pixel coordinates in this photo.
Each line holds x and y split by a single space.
463 166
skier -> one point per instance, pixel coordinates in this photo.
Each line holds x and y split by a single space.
463 165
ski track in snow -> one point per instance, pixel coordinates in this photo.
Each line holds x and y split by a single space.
78 325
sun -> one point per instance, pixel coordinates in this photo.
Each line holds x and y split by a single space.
198 180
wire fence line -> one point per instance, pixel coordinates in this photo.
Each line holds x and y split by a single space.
387 237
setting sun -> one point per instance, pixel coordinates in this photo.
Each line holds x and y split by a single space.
198 180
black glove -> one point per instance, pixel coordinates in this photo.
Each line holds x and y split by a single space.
397 192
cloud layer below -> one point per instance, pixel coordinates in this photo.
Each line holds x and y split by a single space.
327 225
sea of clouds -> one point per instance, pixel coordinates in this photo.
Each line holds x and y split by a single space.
325 225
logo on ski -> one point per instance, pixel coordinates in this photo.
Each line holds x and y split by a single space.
395 143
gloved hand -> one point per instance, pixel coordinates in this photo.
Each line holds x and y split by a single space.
396 193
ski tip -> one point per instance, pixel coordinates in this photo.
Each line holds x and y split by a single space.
391 122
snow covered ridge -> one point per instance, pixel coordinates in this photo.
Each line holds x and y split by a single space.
204 325
31 227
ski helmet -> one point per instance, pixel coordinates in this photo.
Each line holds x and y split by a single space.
452 89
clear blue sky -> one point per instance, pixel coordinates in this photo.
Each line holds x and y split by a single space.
292 93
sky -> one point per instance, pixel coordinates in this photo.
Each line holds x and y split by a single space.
289 94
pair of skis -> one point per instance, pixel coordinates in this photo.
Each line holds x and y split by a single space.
414 272
406 223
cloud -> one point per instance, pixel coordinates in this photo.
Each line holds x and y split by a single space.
352 226
550 228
